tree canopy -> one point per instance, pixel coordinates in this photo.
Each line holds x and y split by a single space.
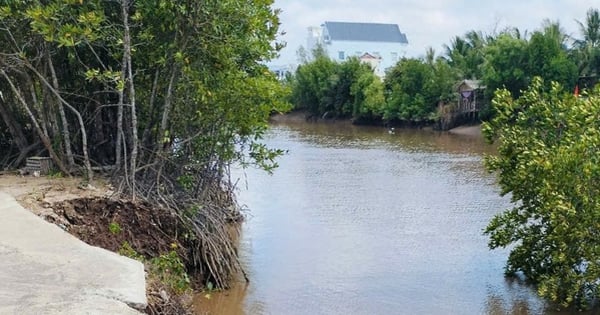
166 94
548 161
414 87
349 89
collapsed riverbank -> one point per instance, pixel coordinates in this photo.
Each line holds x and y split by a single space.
44 270
147 233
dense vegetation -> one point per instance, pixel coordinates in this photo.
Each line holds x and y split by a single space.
549 161
327 88
165 94
414 87
548 137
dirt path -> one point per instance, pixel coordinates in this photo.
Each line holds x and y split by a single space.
37 193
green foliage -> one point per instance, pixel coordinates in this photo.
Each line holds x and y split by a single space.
506 65
548 58
186 181
54 173
167 268
587 52
512 61
466 54
171 271
549 161
128 251
114 228
369 100
345 90
313 83
414 88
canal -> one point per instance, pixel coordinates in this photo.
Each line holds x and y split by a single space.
360 220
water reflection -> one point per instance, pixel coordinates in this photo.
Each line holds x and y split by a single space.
359 221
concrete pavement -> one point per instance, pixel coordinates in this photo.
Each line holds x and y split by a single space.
45 270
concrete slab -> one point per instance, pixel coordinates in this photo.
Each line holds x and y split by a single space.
45 270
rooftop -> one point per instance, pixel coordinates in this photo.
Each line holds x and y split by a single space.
369 32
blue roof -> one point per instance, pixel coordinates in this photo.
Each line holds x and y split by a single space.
369 32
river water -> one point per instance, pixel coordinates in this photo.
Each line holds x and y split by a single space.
360 221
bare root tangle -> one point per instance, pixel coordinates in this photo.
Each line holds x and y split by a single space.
203 202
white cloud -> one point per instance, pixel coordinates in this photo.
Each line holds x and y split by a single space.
426 22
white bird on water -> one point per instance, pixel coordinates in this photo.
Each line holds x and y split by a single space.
391 131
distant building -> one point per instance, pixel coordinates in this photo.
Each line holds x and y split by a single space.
373 61
342 40
281 71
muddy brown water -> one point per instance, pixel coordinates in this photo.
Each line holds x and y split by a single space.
360 221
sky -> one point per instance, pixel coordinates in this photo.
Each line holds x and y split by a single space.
427 23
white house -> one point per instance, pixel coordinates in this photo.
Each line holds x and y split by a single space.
342 40
281 71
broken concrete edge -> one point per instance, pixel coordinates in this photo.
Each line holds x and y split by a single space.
88 273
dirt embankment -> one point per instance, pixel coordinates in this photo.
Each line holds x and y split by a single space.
88 212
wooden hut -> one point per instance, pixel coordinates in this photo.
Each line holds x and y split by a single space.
469 101
470 97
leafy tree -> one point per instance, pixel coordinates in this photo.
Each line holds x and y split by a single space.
367 91
414 87
312 85
406 89
166 93
340 98
506 64
548 57
549 162
345 90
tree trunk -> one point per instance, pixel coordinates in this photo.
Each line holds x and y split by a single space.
13 126
147 142
35 123
63 118
134 127
84 145
165 117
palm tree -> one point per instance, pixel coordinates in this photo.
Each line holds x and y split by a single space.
466 54
553 30
591 29
588 48
430 56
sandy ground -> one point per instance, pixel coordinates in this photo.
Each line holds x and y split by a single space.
474 131
37 193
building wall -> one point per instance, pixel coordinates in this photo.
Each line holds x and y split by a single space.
390 53
314 38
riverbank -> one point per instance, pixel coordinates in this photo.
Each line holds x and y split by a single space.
298 117
468 130
88 215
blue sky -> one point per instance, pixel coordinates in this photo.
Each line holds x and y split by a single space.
427 23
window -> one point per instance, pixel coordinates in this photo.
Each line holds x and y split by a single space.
394 56
341 55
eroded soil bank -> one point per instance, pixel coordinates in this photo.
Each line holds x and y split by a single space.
88 212
132 229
